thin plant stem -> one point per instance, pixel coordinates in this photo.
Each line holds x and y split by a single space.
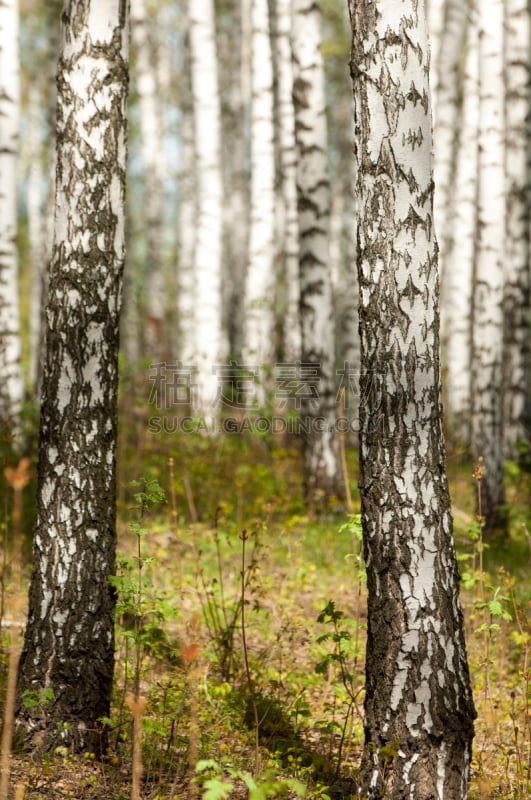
138 619
9 711
343 453
137 707
190 498
478 477
244 537
220 568
174 511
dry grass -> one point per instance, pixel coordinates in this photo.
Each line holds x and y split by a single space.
192 711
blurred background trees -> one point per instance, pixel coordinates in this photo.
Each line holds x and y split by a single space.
217 273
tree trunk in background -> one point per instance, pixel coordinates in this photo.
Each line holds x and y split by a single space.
435 23
53 29
435 13
187 217
234 55
343 265
288 223
11 381
131 321
153 144
321 443
516 314
36 229
447 90
69 639
53 37
210 345
418 706
344 268
260 284
460 258
487 332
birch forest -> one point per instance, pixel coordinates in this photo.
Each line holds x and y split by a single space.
265 399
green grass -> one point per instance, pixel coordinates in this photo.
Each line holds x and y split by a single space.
180 634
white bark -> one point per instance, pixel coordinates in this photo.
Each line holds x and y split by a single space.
235 70
418 694
312 179
153 143
313 189
260 280
435 26
36 231
210 343
69 639
53 42
11 381
487 339
288 217
446 90
517 337
343 260
187 221
457 294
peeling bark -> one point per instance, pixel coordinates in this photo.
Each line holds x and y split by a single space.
69 638
418 707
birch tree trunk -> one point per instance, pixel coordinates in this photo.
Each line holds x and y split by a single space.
321 464
234 62
460 258
36 230
187 218
435 23
288 222
516 304
446 124
41 269
487 338
261 280
210 344
69 638
11 381
53 37
418 706
153 145
344 274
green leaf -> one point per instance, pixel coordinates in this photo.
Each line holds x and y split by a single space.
297 787
495 608
216 789
207 763
322 666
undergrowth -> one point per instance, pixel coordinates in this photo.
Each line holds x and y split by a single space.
241 632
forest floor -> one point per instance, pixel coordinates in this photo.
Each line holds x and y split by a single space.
276 712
